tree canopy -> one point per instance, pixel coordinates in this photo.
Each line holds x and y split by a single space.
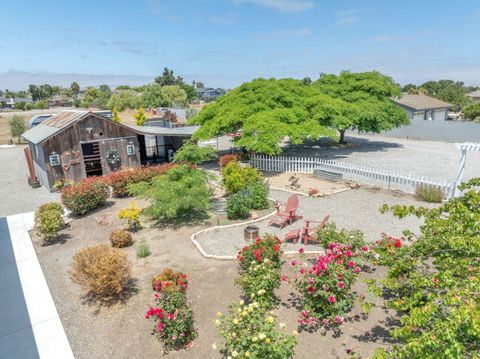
360 101
264 112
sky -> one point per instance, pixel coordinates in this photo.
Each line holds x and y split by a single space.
226 42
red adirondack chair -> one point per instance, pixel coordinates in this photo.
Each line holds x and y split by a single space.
306 233
288 215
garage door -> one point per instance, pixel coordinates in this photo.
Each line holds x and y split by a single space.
419 115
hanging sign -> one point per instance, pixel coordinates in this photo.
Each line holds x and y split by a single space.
130 150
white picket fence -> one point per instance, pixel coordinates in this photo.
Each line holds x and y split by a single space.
368 175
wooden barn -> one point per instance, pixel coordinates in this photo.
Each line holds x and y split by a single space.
77 144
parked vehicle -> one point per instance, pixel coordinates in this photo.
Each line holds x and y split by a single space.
38 119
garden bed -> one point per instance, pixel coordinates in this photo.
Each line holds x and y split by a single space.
307 183
122 331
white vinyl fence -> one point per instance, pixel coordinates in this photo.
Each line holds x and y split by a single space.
368 175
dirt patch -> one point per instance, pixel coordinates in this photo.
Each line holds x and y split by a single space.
306 183
122 331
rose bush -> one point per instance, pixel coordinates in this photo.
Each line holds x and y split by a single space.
88 194
170 281
250 332
268 247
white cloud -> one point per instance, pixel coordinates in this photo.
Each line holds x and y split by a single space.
281 34
281 5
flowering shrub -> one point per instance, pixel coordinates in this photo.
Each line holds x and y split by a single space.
388 250
237 178
131 214
259 281
174 322
226 159
170 281
250 332
435 281
121 238
269 247
238 206
49 220
119 180
330 234
103 272
86 195
326 284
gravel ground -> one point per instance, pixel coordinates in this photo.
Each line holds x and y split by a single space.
438 160
353 209
15 193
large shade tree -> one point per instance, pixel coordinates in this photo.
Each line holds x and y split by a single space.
359 101
263 112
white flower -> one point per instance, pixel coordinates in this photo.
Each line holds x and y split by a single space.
282 325
214 346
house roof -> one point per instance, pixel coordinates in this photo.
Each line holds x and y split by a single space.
421 102
474 93
63 119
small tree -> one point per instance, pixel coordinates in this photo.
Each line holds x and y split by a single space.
140 117
17 126
192 153
115 117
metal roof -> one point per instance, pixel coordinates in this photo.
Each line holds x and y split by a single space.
421 102
162 131
64 118
39 133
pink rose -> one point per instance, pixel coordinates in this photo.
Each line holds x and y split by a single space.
341 284
331 299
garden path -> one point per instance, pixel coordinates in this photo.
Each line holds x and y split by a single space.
354 209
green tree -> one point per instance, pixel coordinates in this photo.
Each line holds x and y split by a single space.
263 112
168 78
182 194
152 96
192 153
115 117
472 112
74 90
361 101
450 91
17 126
140 117
173 94
123 100
97 97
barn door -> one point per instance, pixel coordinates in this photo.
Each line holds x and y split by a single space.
91 159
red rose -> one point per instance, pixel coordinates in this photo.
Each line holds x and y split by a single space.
301 250
275 248
398 243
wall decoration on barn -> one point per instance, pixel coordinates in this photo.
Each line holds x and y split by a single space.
54 159
130 150
112 157
69 158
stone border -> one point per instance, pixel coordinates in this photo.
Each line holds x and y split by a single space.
307 195
7 146
218 257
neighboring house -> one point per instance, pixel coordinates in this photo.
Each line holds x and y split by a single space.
475 95
59 101
10 102
209 93
78 144
422 107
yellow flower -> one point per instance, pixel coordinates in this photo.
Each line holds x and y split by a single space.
270 320
239 310
235 321
261 336
295 333
267 340
234 354
247 354
217 322
234 335
219 314
244 313
242 302
254 339
282 325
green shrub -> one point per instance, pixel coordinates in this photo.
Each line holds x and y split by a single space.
430 193
49 220
238 206
85 196
17 126
180 195
143 250
121 238
258 195
237 178
249 332
330 234
192 153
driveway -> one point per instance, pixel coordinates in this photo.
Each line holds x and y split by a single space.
437 160
15 193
